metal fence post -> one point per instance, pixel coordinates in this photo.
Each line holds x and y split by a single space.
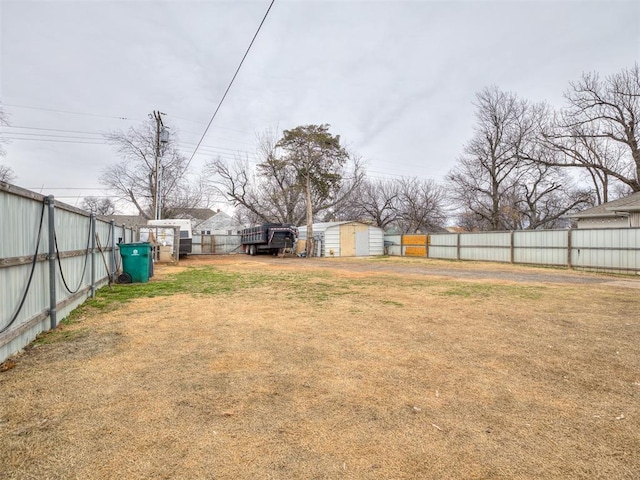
112 275
92 219
53 320
458 248
569 265
512 256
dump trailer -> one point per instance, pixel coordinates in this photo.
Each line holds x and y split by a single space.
270 238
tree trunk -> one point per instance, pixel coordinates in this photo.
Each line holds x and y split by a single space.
309 246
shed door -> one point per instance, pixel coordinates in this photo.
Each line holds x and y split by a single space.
354 240
362 241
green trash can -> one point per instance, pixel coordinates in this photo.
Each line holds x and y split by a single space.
136 262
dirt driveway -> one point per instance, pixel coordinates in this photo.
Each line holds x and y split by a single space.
268 368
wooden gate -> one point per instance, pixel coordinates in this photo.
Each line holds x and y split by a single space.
415 245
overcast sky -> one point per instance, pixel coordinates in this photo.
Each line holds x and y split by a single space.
395 79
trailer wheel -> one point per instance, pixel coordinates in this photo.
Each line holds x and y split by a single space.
252 250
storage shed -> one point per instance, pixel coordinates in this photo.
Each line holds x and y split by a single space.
345 239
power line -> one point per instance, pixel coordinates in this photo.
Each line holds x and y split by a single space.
204 123
222 155
213 147
67 112
51 135
52 130
66 188
55 141
231 82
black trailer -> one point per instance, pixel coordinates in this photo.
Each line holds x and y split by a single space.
270 238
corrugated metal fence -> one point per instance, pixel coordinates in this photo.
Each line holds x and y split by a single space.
614 250
216 244
52 257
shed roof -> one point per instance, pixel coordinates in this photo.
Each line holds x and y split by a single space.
322 226
630 203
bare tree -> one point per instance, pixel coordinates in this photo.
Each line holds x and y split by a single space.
274 191
602 125
509 176
601 161
268 196
543 196
6 173
483 182
4 121
375 201
99 206
420 206
133 178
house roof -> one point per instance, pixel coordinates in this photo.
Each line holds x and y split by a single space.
193 213
630 203
218 221
128 220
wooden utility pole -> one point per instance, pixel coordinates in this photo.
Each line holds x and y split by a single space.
156 172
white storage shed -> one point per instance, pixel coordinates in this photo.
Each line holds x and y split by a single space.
346 239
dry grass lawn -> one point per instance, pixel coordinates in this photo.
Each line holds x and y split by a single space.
269 368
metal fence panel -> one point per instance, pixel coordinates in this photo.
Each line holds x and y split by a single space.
606 249
25 272
393 245
443 245
216 244
485 239
541 247
486 246
20 219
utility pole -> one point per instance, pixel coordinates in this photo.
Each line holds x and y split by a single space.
160 137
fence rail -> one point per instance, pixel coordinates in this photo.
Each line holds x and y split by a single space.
612 250
52 258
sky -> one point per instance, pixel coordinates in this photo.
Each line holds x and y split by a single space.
395 79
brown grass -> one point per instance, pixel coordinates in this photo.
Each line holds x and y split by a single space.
321 371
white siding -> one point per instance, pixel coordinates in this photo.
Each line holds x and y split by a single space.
376 241
332 241
603 222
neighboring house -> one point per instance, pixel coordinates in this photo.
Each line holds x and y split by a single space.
196 215
218 223
621 213
345 239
